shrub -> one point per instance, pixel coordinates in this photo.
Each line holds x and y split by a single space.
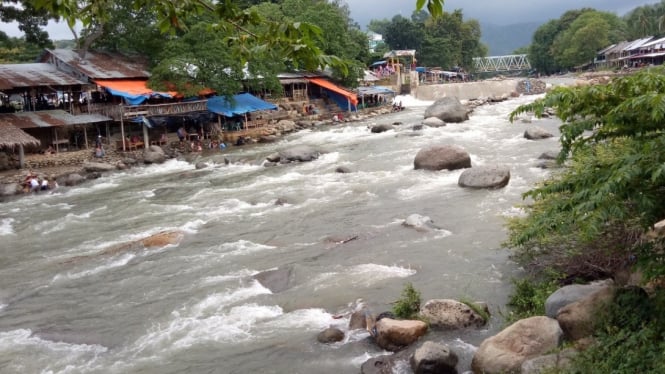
408 305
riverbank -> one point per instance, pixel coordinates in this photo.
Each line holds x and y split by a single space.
59 166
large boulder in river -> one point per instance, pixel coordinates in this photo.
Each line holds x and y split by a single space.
381 128
537 133
72 179
448 109
485 176
154 155
393 335
300 153
451 314
276 280
525 339
434 358
330 335
439 157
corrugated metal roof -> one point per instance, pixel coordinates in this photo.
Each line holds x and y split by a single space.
13 76
637 43
654 43
102 65
49 118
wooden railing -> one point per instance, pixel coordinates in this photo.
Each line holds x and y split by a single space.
114 111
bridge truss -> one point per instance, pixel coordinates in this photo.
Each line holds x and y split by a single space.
501 63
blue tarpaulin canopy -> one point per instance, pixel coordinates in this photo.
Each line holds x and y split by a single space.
383 62
238 105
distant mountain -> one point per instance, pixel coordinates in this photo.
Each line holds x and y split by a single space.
504 40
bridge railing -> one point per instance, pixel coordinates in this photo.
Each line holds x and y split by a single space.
501 63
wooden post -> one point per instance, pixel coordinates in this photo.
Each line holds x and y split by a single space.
146 139
21 156
85 136
57 149
108 138
122 128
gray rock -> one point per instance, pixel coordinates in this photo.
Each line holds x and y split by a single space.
572 293
72 179
342 169
552 363
506 351
485 176
439 157
201 165
417 127
330 335
277 280
381 128
268 139
274 157
548 164
10 189
433 122
300 153
153 157
448 109
98 167
549 155
420 223
451 314
358 320
537 133
434 358
129 161
379 365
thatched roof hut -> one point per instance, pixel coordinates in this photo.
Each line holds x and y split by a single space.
12 137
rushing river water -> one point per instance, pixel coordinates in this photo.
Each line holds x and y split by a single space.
65 307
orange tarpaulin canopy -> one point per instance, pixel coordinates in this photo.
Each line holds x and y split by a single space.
133 87
329 86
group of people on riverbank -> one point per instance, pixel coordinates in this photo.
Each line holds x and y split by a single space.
32 183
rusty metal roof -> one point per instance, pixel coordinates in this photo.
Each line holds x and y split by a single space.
102 65
49 118
14 76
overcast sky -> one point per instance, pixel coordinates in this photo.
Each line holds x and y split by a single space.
498 12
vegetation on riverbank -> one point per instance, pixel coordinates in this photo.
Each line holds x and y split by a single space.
590 221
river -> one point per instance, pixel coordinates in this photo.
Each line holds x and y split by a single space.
195 307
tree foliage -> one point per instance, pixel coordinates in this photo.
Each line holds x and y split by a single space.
613 136
568 42
646 20
445 41
590 32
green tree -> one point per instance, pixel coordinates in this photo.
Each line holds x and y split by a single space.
379 26
613 136
402 33
450 41
586 35
31 21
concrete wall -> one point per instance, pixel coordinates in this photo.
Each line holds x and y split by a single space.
467 90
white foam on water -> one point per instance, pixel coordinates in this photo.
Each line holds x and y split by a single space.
45 356
211 319
426 183
6 226
114 263
60 206
216 302
302 319
238 248
410 101
51 226
365 275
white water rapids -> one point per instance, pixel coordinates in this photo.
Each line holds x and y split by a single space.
195 307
